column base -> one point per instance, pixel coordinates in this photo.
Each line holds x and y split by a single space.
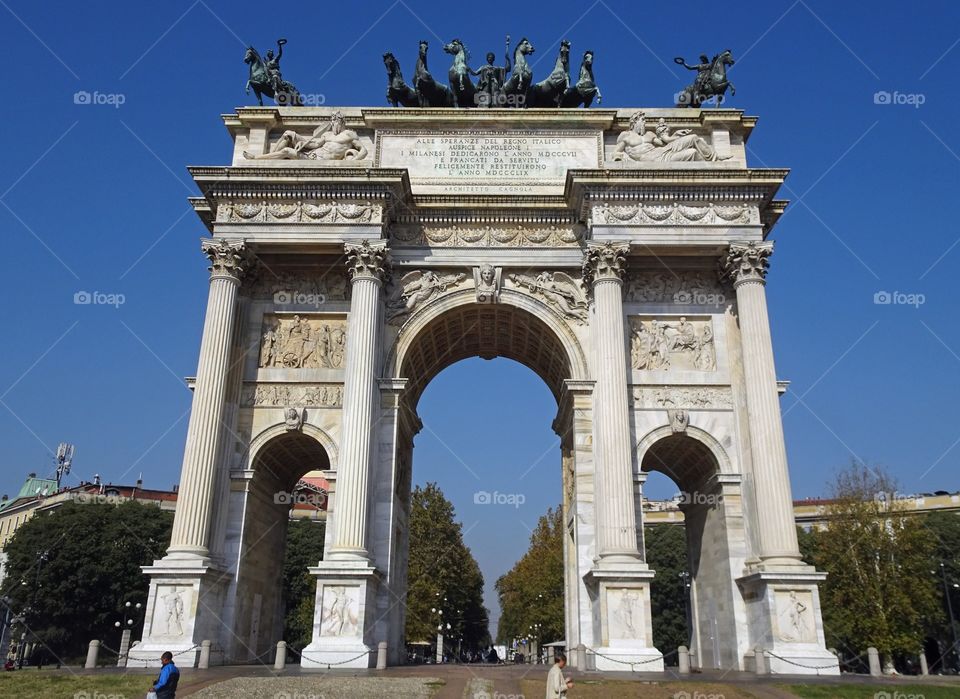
783 613
624 626
343 618
186 597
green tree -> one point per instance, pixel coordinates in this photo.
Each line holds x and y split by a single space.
666 547
442 575
304 548
944 529
70 571
532 592
879 590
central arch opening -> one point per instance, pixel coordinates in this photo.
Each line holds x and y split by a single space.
488 433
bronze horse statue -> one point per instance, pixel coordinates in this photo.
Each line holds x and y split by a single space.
711 83
261 83
586 89
462 87
550 91
430 93
519 83
398 92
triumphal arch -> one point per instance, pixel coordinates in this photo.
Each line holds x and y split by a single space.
621 254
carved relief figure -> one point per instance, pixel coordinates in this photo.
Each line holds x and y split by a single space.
627 615
689 286
559 290
298 343
683 398
339 616
312 288
679 419
279 394
794 619
660 145
293 418
173 612
685 345
487 280
330 141
417 288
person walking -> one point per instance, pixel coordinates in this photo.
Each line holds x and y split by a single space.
557 684
165 686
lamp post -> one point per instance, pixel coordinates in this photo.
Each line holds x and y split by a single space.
127 626
685 581
946 593
438 610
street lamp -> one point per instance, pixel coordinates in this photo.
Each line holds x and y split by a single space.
946 593
130 613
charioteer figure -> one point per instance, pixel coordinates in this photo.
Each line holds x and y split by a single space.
491 79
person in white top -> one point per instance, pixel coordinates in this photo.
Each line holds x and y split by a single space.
557 684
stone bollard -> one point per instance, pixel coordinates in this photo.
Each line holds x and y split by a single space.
280 661
582 658
924 669
93 650
550 656
874 657
759 661
683 660
204 661
382 655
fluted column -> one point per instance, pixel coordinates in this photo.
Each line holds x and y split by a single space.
603 270
191 524
368 267
745 264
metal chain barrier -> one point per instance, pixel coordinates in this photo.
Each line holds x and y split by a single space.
342 662
662 656
818 668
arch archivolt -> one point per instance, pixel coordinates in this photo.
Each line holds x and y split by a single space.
720 456
560 352
279 429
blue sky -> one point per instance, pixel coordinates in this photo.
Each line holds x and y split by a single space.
93 198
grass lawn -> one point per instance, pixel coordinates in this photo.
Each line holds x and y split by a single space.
61 683
869 691
624 689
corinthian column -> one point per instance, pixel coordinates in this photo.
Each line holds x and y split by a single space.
368 268
745 264
191 524
603 270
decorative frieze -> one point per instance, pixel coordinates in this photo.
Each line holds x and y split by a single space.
284 395
683 398
298 212
676 214
506 235
296 342
416 289
682 286
672 344
303 287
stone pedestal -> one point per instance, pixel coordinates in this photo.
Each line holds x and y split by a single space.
626 630
783 612
345 605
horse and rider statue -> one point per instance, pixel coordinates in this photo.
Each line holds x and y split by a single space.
265 78
710 82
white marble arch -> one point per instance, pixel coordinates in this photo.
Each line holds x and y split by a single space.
422 317
394 463
279 428
716 547
255 545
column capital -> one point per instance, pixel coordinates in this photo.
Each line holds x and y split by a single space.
604 262
366 260
746 262
229 259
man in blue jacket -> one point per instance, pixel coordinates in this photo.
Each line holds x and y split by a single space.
166 683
